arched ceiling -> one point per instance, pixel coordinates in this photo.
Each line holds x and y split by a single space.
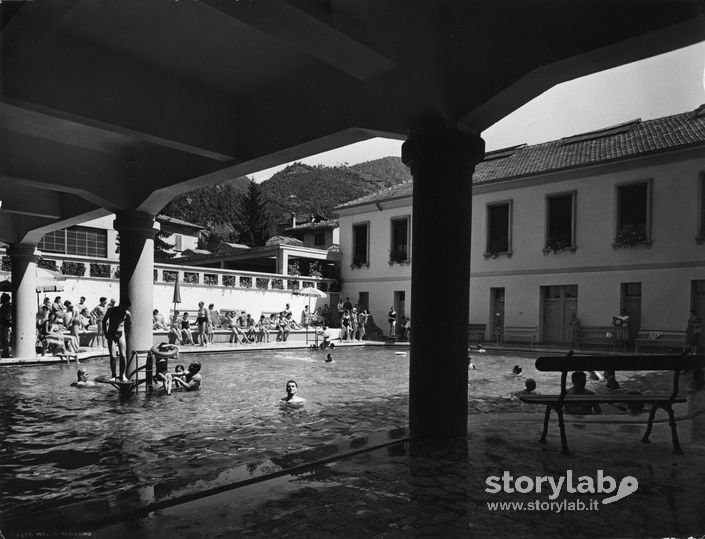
109 105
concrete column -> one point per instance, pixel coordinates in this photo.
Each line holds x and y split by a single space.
442 162
137 232
24 301
282 262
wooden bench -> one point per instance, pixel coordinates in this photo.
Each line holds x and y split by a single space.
521 334
570 363
597 336
477 332
666 340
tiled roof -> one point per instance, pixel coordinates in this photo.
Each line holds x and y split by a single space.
624 141
175 221
283 240
329 223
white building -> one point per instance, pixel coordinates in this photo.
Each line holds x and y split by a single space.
590 224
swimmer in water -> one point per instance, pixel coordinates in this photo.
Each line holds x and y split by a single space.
162 375
192 380
291 389
516 369
83 380
329 359
529 386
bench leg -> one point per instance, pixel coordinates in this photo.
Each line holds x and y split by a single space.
546 418
674 430
650 425
564 440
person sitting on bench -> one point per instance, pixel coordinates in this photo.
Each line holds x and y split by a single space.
579 379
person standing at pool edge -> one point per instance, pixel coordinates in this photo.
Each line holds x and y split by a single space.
116 325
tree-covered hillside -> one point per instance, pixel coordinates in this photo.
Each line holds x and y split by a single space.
306 189
302 189
209 206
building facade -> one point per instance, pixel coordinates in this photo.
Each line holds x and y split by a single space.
591 224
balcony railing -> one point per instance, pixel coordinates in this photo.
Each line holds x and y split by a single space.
88 268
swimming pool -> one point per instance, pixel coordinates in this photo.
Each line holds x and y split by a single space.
61 444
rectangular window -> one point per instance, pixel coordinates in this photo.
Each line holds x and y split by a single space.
499 229
360 244
633 213
178 242
560 225
399 251
53 242
319 239
81 241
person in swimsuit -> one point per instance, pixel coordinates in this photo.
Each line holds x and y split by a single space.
73 320
83 380
162 373
97 314
116 324
186 330
202 323
192 380
291 389
392 319
213 322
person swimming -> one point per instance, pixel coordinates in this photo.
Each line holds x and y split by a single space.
329 358
529 386
191 381
516 369
291 397
82 379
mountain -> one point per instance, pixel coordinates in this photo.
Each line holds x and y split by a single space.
306 189
299 188
386 172
209 206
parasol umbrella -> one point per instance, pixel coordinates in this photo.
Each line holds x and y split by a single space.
311 292
177 294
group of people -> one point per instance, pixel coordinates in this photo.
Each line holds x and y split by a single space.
353 321
60 324
243 327
180 379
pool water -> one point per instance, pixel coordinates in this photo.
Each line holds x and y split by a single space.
61 444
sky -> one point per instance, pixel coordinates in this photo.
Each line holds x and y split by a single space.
652 88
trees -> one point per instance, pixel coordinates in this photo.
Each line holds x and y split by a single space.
254 217
162 249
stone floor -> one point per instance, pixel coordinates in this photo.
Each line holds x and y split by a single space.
418 488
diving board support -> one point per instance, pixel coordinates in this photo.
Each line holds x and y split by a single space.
131 386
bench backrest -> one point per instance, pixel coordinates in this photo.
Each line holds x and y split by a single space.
620 363
565 364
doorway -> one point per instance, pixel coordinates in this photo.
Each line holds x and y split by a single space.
363 300
497 313
400 303
559 303
631 302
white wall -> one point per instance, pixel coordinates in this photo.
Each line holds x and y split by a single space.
665 268
380 279
254 301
